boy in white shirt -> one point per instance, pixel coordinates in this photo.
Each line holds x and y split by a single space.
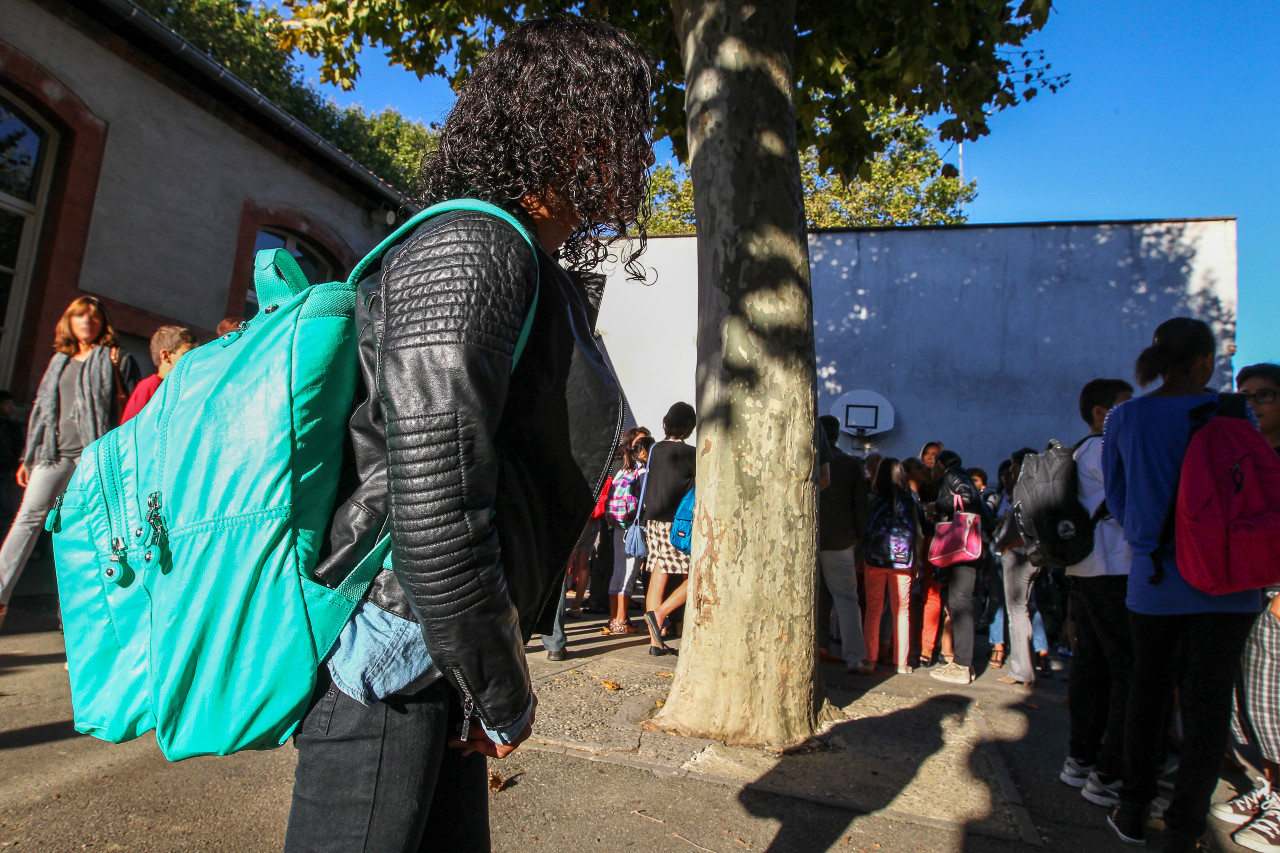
1103 655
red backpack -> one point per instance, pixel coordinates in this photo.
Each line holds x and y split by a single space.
1227 518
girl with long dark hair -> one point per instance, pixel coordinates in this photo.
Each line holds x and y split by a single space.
893 543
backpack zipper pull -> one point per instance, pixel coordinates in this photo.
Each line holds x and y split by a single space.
52 520
154 518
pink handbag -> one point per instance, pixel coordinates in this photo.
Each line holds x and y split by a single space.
958 540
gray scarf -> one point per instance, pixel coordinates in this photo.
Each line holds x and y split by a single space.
93 407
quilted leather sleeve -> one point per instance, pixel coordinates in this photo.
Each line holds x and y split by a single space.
454 298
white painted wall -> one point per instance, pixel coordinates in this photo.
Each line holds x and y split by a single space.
980 336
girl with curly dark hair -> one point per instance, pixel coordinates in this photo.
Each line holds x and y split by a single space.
491 425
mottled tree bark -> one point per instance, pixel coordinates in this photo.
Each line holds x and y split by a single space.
747 671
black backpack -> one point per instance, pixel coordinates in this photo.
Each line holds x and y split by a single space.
1057 530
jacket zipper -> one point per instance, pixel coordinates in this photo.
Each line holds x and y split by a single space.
468 701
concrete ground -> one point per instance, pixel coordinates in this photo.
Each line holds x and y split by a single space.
915 765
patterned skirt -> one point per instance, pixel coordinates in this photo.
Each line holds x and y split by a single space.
1256 717
663 556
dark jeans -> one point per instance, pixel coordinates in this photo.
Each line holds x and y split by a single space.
383 778
960 580
823 613
1199 654
1100 668
557 640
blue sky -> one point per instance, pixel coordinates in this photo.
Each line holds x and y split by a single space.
1172 111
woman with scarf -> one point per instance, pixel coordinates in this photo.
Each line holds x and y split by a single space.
80 397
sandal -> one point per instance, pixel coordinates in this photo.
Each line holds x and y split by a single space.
1009 679
997 658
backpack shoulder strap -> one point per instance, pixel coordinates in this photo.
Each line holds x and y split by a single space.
1079 444
448 207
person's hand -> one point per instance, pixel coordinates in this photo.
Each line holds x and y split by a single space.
1275 606
23 477
478 739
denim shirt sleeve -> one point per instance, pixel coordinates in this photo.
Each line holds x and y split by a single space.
377 654
508 735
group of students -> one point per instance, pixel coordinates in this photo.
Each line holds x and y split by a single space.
90 386
651 480
1162 672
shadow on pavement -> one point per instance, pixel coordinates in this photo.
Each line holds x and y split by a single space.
11 662
33 735
877 789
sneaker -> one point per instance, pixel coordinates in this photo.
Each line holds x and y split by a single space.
1263 832
1074 773
904 670
953 673
1102 790
1242 808
1129 823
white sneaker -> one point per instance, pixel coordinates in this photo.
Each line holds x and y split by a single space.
904 670
953 673
1263 832
1074 773
1101 792
1244 807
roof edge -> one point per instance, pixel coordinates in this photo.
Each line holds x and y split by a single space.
149 34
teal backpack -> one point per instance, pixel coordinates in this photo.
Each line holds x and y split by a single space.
186 540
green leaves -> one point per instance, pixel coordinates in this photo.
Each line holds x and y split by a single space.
905 183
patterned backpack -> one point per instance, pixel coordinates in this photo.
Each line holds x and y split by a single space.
622 500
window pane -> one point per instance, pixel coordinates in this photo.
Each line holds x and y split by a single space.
6 285
20 147
267 240
312 265
10 236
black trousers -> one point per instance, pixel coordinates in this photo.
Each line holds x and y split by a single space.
1199 654
384 778
1100 669
960 581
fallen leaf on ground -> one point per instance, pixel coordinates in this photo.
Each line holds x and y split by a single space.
665 674
575 672
743 843
659 702
496 782
612 685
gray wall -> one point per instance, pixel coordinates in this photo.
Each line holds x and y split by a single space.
174 179
980 336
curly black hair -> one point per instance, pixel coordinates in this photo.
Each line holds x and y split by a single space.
561 108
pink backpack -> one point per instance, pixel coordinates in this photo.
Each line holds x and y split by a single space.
1227 521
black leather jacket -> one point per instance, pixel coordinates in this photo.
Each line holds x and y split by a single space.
956 482
488 475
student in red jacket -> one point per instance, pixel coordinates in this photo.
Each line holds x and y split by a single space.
168 344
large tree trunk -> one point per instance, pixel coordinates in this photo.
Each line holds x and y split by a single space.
747 670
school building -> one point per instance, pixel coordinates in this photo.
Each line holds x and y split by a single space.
135 168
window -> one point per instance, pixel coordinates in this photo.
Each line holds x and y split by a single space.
27 148
309 258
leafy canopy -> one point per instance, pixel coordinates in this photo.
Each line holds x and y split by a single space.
907 184
962 59
247 39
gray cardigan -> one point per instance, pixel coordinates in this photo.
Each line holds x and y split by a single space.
94 407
